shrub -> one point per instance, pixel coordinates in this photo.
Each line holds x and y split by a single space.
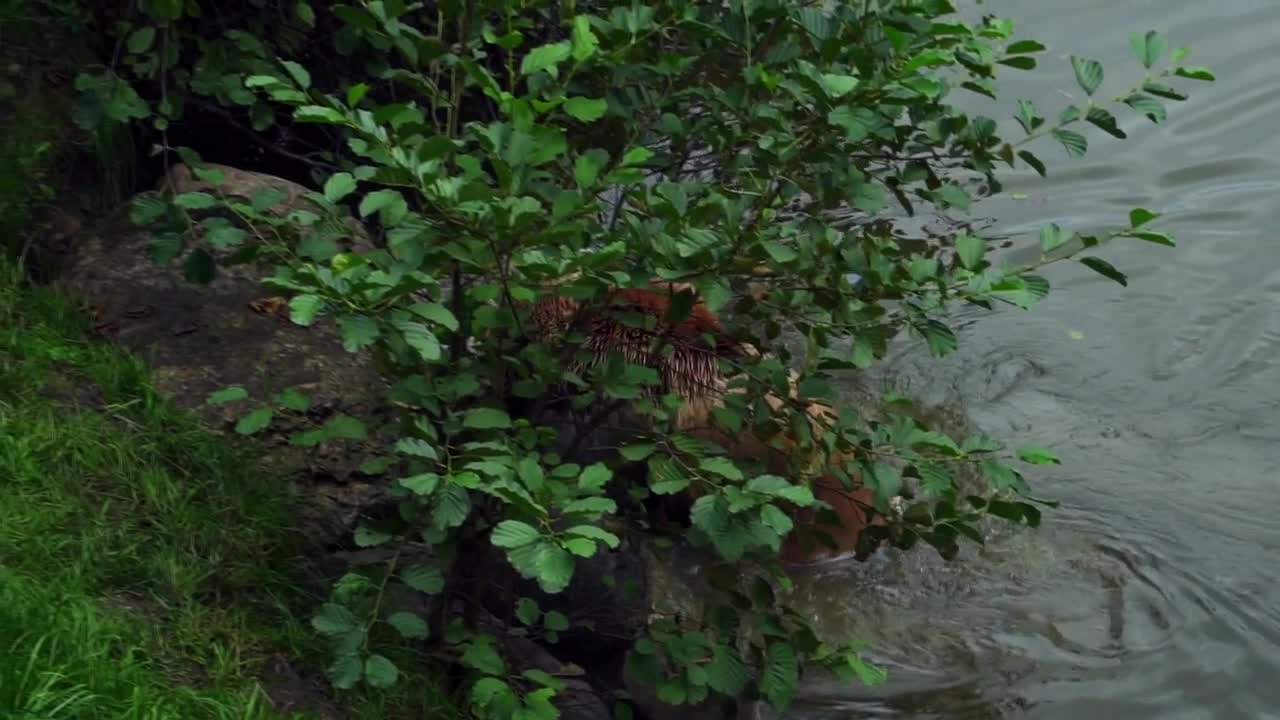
504 148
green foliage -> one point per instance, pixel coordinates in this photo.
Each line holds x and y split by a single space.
504 148
118 572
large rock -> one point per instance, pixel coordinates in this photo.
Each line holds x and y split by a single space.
200 338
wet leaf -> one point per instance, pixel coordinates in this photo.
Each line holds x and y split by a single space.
586 109
1088 74
423 578
1196 73
255 422
970 249
333 619
1038 456
227 395
514 534
1141 216
1073 142
1105 269
1148 47
409 626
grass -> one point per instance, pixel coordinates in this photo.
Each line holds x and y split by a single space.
146 569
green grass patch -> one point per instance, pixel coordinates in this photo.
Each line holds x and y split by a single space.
147 569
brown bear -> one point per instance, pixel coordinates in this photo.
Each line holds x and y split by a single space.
692 369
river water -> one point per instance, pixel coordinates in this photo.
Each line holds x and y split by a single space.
1153 592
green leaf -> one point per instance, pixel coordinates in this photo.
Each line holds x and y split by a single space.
1164 91
1053 237
594 533
1028 116
380 672
254 422
587 167
140 40
586 109
1029 158
423 578
450 506
195 200
1105 269
226 236
513 534
637 452
1073 142
1019 62
952 195
486 419
417 448
940 339
298 73
1024 46
436 313
591 505
345 672
1196 73
382 200
1141 216
333 619
670 486
1088 74
554 566
305 14
1038 456
1105 121
421 339
318 114
970 249
781 675
839 85
555 621
595 476
583 40
672 692
527 611
1147 47
546 57
356 93
358 332
290 399
1151 236
421 484
376 465
780 253
582 547
304 308
338 186
636 156
483 656
227 395
1150 106
726 673
260 81
856 122
409 626
486 692
365 537
345 427
721 466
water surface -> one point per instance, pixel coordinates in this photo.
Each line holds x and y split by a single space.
1154 592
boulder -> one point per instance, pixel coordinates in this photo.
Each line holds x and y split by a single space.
201 338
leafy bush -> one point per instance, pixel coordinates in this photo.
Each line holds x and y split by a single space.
506 148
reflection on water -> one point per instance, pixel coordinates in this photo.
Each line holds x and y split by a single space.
1153 592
